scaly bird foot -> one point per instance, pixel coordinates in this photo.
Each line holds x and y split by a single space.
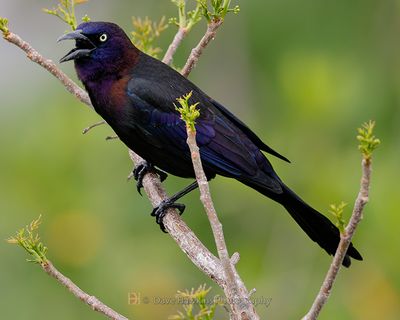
140 171
160 211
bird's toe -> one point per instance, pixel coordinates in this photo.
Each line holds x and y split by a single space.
160 211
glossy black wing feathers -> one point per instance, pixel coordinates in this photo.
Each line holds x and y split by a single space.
252 136
227 146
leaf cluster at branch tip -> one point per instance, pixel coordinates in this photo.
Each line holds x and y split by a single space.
218 10
29 239
189 113
368 142
146 32
4 25
196 306
65 10
337 211
186 19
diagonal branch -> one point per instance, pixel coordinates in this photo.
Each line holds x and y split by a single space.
28 238
50 66
179 231
197 51
345 240
91 301
179 36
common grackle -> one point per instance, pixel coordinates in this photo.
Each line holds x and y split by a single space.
135 94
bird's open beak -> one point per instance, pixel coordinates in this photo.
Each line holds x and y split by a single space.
83 46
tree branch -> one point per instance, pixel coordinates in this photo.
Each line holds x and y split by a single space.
50 66
28 238
196 52
91 301
244 309
179 231
179 36
345 240
94 125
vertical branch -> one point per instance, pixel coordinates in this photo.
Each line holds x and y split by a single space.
344 244
237 299
368 143
216 225
185 24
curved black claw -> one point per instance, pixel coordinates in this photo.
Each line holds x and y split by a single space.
141 169
163 175
139 172
160 211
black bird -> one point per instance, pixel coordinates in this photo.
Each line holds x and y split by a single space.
135 94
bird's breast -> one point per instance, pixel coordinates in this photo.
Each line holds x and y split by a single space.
109 96
118 95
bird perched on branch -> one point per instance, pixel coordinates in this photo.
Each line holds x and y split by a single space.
135 94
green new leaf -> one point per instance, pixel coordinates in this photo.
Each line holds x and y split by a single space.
85 18
196 306
368 142
189 113
337 212
65 11
29 239
219 9
186 19
146 33
4 26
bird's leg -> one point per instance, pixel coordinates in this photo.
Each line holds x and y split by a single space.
139 172
160 210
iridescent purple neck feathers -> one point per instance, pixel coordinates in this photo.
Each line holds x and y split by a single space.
102 50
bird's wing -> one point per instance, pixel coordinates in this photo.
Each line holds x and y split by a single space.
252 136
224 148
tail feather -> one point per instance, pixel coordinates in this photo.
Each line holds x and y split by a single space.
318 227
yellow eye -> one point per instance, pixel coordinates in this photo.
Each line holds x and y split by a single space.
103 37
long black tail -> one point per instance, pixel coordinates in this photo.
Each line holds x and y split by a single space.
319 228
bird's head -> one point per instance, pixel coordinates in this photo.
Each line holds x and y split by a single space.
100 48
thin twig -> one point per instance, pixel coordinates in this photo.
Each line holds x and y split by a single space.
114 137
198 50
94 125
345 240
235 258
245 309
179 36
91 301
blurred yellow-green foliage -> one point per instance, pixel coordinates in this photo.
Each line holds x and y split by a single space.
303 74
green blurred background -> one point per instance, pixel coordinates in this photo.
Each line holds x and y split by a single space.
303 74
